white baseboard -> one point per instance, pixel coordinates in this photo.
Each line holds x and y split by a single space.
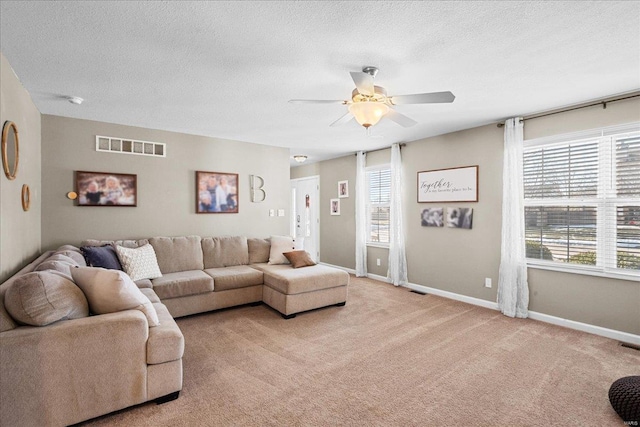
454 296
585 327
542 317
348 270
379 278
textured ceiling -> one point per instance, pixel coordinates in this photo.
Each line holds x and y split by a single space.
227 69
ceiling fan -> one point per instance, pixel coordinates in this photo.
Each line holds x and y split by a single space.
370 103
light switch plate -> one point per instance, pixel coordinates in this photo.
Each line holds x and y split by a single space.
272 212
280 212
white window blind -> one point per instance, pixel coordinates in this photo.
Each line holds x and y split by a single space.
378 204
582 200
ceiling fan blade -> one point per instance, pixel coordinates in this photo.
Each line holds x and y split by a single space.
342 120
400 119
317 101
423 98
364 82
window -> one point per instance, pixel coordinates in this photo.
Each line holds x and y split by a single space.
378 205
582 201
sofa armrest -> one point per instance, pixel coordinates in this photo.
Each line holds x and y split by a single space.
73 370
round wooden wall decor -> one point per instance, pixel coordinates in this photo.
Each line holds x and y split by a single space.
26 197
9 146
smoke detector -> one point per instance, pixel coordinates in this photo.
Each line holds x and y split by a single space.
75 100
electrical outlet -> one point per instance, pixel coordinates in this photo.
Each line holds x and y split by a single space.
487 282
280 212
272 212
378 262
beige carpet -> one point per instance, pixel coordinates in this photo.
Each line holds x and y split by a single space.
388 358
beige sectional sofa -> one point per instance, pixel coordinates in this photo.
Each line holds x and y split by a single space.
73 370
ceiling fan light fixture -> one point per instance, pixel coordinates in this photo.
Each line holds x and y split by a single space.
300 158
369 113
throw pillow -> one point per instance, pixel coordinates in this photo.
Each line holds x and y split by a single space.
101 256
40 298
299 259
139 263
110 291
279 245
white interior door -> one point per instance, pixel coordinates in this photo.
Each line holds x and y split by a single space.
305 221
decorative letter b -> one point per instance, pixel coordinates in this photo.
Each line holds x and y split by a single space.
257 193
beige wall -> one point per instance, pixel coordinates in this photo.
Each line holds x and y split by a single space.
166 186
456 260
459 260
304 171
19 230
336 231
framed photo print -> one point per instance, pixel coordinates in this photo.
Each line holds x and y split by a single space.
448 185
216 192
106 189
343 189
335 206
460 218
432 217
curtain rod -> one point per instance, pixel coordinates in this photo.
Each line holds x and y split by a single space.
578 107
380 149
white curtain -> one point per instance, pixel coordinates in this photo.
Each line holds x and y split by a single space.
397 257
361 215
513 290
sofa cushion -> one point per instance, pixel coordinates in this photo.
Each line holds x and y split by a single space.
63 258
258 250
239 276
178 253
279 245
290 281
139 263
144 283
173 285
6 321
126 243
299 259
74 255
40 298
225 251
148 292
110 291
166 342
59 266
101 256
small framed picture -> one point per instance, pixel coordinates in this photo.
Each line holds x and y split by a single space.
432 217
106 189
335 206
460 218
216 192
343 189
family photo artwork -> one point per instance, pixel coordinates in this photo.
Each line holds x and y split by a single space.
456 217
216 192
343 189
432 217
335 206
106 189
460 218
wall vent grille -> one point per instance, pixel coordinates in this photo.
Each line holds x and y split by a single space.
109 144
